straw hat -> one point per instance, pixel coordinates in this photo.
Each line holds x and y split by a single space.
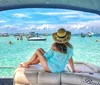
61 36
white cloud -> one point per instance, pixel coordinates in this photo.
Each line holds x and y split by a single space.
79 16
51 28
90 26
60 13
69 16
9 26
20 15
37 22
31 27
2 21
46 26
40 27
83 16
78 26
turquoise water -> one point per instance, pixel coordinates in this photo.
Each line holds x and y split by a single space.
85 49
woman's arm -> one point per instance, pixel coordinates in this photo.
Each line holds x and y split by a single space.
72 64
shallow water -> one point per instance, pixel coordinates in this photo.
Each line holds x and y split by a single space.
85 49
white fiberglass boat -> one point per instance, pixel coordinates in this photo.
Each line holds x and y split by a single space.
36 39
35 75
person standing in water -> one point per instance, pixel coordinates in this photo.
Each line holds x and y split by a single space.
57 57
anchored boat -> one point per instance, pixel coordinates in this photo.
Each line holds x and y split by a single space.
90 34
36 39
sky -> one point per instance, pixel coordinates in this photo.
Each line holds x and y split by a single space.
48 21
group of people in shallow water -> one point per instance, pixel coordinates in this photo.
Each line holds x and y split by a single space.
18 38
60 54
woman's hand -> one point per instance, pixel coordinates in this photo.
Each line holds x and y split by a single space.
72 66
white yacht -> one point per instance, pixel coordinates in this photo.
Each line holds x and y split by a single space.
89 34
37 39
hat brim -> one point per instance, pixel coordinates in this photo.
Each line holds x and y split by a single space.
61 40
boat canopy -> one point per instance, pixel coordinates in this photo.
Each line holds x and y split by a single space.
92 6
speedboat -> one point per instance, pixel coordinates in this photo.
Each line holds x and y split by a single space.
36 39
35 75
17 34
89 34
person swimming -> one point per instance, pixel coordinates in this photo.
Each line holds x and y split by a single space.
21 38
97 40
10 42
17 38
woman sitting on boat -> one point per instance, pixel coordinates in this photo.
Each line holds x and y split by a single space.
57 57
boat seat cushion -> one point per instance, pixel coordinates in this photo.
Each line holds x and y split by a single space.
35 75
85 67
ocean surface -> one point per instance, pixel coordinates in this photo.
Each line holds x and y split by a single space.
85 49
